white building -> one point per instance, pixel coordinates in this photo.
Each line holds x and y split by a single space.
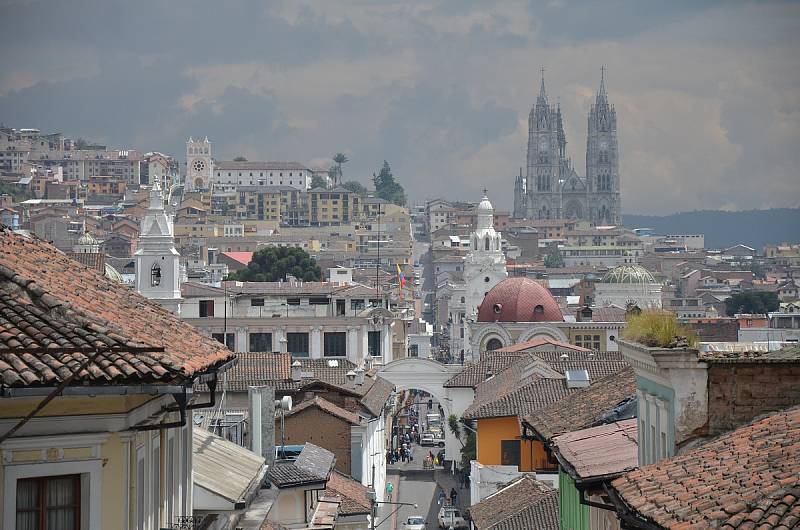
228 176
307 319
157 261
628 284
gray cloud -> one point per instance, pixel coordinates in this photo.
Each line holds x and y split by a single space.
706 93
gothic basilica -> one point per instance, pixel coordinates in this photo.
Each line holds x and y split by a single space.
551 189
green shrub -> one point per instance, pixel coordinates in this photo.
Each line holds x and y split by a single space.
658 329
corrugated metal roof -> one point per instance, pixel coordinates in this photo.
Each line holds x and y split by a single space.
224 468
600 451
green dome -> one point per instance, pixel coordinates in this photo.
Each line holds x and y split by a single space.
628 274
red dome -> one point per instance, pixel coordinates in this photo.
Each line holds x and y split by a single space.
519 300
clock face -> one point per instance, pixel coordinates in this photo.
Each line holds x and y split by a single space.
543 145
198 165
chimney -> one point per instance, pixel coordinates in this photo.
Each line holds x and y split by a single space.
297 371
359 376
261 408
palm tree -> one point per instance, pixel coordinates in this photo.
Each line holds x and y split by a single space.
339 158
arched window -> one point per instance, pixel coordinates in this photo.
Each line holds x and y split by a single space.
155 275
487 243
493 344
538 310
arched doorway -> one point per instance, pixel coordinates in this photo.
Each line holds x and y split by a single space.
493 344
430 376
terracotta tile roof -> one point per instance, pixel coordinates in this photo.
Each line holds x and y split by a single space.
242 257
474 373
353 495
542 515
51 301
532 396
585 407
260 368
536 381
377 395
599 452
524 503
742 479
326 406
538 342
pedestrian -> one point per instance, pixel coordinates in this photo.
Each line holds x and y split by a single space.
440 497
389 457
453 494
389 490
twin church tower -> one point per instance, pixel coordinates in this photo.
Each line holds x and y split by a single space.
551 189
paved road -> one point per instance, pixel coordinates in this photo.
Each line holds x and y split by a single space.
414 485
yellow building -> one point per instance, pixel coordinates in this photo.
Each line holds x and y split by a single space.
332 207
95 383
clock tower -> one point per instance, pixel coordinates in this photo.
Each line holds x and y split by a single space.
199 165
484 266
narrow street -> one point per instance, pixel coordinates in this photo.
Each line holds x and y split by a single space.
413 484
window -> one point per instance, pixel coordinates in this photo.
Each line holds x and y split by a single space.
335 344
206 308
297 344
357 304
374 343
493 344
49 503
509 452
225 338
155 275
318 301
261 342
257 302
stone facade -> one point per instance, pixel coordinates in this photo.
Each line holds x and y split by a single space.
551 189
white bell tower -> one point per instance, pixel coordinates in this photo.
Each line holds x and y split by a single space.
484 265
157 261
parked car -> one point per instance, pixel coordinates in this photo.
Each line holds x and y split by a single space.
414 522
450 517
427 439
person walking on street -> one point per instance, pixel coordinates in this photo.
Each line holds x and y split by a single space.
389 490
440 498
453 494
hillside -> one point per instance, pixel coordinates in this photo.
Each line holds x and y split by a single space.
754 228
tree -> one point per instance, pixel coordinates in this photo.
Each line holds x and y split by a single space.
317 181
469 452
752 302
339 158
240 158
455 426
386 188
553 258
355 187
271 264
80 143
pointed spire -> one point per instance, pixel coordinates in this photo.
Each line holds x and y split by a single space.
601 95
542 93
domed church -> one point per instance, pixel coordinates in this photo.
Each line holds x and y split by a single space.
519 310
626 285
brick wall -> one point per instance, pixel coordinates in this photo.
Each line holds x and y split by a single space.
737 392
320 428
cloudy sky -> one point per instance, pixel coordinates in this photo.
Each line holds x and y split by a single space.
707 93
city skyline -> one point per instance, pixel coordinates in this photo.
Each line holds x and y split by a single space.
706 95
